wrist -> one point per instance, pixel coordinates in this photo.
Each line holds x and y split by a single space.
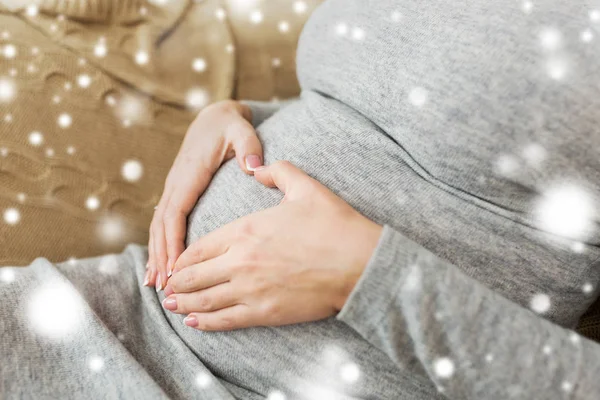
368 235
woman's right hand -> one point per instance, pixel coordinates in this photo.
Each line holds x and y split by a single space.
219 132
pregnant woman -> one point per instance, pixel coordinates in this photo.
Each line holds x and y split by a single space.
441 190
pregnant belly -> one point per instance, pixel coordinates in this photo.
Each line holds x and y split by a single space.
361 164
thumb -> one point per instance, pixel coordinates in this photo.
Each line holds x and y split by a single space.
246 146
291 180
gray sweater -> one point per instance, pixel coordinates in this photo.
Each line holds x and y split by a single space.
470 130
491 108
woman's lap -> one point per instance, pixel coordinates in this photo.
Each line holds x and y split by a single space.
88 327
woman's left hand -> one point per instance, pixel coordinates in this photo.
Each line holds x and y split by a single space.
292 263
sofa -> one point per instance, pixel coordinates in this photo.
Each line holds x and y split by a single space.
96 96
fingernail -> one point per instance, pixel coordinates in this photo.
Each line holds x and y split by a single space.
169 268
170 303
169 290
147 277
147 264
260 168
158 283
253 162
190 320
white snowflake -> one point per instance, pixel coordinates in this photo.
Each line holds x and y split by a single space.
540 303
341 29
36 138
229 48
586 36
56 99
220 14
7 90
35 51
276 395
132 170
578 247
199 65
413 279
203 379
396 16
550 39
111 229
55 310
92 203
131 108
489 358
95 363
574 338
566 211
587 288
299 7
64 120
109 265
110 100
8 118
142 57
557 68
276 62
283 26
70 150
418 96
443 367
547 350
506 165
197 98
50 152
350 372
84 80
534 153
358 33
527 7
3 151
9 51
256 17
32 10
595 15
100 50
21 197
7 275
566 386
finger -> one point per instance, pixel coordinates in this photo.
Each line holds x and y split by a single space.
150 263
151 268
210 246
160 249
226 319
207 300
246 145
290 179
200 276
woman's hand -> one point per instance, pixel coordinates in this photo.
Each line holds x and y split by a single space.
220 132
292 263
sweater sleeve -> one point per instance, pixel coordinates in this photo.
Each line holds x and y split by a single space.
263 110
471 342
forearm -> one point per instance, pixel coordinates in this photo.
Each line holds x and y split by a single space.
471 341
